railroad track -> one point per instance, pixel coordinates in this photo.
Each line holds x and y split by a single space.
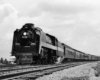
18 67
17 70
33 73
6 73
11 67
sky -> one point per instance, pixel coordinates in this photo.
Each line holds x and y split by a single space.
74 22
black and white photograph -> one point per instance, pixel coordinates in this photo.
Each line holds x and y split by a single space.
49 39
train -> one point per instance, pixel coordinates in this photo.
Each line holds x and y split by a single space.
31 45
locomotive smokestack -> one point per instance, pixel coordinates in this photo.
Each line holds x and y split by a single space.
28 25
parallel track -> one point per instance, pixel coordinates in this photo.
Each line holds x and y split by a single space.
33 73
19 67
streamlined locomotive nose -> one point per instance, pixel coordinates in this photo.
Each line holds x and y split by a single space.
26 38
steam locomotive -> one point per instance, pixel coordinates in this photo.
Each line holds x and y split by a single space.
32 45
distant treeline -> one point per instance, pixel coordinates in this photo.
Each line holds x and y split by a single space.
4 61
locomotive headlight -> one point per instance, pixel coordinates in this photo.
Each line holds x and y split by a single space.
24 33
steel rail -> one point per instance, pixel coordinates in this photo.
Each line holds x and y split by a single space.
44 70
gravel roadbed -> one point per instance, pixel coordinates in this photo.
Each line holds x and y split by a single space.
89 71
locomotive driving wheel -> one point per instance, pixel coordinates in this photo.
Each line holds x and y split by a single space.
43 56
48 56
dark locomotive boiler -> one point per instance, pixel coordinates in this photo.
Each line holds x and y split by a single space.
24 44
